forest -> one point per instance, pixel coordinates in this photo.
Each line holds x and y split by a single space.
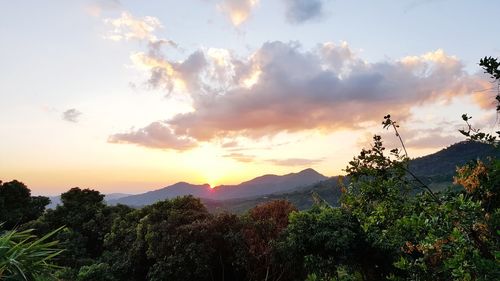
389 226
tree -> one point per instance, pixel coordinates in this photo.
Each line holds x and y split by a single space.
447 236
326 241
86 220
169 240
17 206
264 225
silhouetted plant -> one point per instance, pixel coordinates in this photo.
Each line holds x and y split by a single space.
25 257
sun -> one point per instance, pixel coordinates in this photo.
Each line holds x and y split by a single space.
212 185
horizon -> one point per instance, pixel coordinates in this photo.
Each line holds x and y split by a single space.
126 97
201 184
221 184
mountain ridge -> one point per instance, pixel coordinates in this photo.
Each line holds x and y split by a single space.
436 169
259 186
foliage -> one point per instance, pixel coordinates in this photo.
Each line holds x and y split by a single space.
390 225
176 239
17 206
490 66
87 220
95 272
446 236
325 241
265 224
25 257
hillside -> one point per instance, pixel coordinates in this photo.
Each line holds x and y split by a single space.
328 190
441 166
257 187
436 169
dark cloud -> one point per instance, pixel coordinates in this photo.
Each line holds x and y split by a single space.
155 135
299 11
71 115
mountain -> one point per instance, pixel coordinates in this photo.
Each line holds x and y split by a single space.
112 196
150 197
441 166
436 169
328 190
56 200
267 184
260 186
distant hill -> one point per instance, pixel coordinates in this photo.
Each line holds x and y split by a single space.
267 184
302 198
441 166
260 186
175 190
56 200
436 169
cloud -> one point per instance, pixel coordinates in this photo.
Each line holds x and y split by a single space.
207 71
445 134
435 141
290 162
299 11
230 144
283 88
128 27
240 157
296 161
155 135
238 11
71 115
297 90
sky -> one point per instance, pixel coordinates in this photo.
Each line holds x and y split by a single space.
130 96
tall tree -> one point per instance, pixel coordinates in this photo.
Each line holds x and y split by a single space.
264 225
17 206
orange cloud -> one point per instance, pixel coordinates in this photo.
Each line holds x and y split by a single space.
240 157
238 11
155 135
292 90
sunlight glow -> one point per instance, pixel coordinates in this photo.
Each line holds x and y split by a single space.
252 79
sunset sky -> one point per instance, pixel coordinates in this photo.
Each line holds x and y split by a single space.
129 96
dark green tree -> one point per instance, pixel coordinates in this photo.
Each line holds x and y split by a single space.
175 240
17 206
87 220
325 240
